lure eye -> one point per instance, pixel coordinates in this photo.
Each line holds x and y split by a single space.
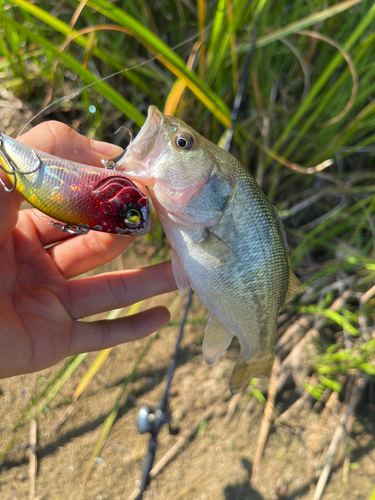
133 216
184 141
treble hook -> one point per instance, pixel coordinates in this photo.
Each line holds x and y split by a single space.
13 169
111 164
69 228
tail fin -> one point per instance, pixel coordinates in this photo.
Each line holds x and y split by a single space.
259 365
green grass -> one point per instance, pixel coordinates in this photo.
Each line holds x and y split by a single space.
310 98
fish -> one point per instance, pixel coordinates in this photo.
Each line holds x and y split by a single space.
227 240
81 196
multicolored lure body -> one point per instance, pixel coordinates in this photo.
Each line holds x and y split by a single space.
81 196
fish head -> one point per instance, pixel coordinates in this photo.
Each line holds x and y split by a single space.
181 168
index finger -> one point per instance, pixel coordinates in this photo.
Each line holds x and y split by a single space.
58 139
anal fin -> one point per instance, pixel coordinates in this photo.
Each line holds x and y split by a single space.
216 340
259 365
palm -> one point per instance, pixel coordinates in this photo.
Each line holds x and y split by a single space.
34 298
40 306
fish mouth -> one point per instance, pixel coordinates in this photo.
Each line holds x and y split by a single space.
143 151
143 143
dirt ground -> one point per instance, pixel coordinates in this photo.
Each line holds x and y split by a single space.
217 462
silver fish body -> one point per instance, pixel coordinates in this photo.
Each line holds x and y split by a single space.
226 238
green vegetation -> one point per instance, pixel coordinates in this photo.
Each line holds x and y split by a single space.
306 130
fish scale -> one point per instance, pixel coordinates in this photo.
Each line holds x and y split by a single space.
227 241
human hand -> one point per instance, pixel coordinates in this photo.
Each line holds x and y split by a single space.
39 307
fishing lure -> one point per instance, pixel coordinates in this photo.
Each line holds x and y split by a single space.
80 196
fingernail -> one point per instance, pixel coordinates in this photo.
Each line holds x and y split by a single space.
105 148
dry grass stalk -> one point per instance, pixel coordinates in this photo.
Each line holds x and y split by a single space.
346 464
313 333
181 442
298 405
33 460
192 486
326 413
368 295
249 409
296 330
232 407
64 417
340 434
282 379
267 417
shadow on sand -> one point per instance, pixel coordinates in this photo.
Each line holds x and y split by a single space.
244 490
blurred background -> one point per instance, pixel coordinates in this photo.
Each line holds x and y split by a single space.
305 131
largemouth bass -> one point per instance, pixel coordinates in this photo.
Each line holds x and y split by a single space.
227 240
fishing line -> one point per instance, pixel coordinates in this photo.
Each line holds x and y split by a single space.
75 93
241 89
144 423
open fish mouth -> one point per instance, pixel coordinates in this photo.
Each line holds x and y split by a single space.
144 143
145 149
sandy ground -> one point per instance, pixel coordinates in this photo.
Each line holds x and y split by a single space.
215 465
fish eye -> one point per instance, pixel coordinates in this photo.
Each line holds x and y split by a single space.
133 216
184 141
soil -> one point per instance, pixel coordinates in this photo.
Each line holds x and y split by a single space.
216 464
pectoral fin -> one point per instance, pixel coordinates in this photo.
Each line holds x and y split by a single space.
294 286
216 340
179 272
259 365
220 252
180 211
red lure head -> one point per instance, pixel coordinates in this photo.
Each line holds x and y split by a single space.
121 206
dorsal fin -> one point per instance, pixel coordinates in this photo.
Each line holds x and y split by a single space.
282 231
294 284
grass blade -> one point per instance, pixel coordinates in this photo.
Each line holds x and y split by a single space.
308 102
109 421
315 18
87 76
48 394
167 56
77 37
